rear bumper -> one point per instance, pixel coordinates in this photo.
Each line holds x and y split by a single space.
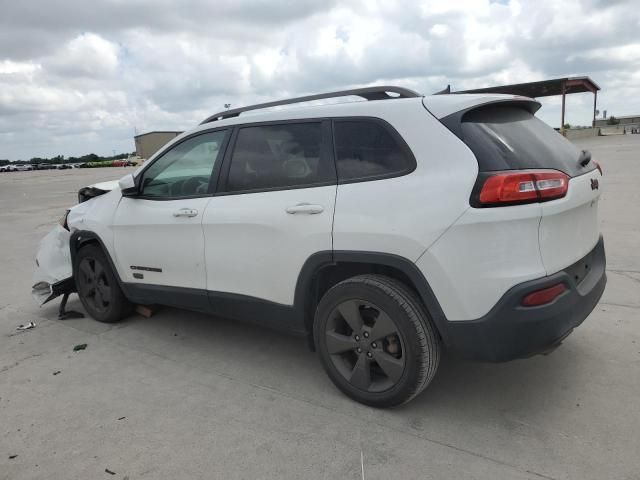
511 331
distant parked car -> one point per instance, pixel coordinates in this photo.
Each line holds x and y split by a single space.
23 168
64 166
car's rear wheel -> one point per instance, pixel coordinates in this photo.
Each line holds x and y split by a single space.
376 341
98 287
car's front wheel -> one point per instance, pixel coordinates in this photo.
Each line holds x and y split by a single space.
98 286
375 340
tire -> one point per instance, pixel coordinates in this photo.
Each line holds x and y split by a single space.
98 287
393 352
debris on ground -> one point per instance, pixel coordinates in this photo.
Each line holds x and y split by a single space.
109 471
122 418
27 326
57 372
11 457
82 346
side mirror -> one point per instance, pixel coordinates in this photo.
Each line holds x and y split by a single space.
128 186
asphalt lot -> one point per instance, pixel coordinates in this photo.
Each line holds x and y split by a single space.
183 395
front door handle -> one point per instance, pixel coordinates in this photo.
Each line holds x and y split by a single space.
186 212
307 208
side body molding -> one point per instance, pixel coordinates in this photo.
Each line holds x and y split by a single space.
296 319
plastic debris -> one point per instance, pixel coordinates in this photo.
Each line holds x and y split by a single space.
122 418
27 326
109 471
82 346
57 372
11 457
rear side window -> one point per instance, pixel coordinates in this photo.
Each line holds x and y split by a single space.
279 156
368 149
511 138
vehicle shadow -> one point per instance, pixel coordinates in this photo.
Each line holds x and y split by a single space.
462 392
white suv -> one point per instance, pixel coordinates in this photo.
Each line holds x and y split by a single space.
382 230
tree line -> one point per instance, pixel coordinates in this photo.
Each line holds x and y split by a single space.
59 159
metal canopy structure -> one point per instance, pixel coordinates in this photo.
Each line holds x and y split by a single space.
547 88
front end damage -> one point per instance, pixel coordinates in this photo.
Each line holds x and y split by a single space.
54 273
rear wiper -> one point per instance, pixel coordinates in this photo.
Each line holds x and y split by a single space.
585 158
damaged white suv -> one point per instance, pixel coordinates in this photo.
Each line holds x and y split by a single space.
382 230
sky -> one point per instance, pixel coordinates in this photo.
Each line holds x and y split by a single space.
82 76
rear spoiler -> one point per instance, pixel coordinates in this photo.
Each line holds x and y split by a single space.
442 105
453 121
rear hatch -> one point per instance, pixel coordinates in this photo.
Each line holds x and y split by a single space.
507 137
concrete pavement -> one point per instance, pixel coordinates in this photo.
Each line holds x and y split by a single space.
183 395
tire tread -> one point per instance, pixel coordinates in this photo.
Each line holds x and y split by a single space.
429 343
121 306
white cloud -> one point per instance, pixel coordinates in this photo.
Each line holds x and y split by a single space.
87 55
9 67
74 83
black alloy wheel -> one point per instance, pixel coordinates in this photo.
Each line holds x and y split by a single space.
98 287
365 345
93 284
375 340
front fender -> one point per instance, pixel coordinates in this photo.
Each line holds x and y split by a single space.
82 237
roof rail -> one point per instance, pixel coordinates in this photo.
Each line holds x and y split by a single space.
369 93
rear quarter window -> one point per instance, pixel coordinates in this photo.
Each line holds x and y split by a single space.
511 138
369 149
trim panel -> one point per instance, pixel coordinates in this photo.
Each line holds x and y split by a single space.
276 316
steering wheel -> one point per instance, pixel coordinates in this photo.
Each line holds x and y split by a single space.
195 186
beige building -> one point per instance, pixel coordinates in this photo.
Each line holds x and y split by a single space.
149 143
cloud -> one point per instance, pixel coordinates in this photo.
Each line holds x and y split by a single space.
87 55
78 76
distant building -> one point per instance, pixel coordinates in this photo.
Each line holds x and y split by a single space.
149 143
629 121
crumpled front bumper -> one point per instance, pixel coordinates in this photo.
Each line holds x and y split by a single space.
54 274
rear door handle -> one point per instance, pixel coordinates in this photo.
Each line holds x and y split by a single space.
185 212
306 208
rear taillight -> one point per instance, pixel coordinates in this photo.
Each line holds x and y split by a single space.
517 187
544 296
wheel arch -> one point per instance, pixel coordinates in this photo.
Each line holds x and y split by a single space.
81 238
323 270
